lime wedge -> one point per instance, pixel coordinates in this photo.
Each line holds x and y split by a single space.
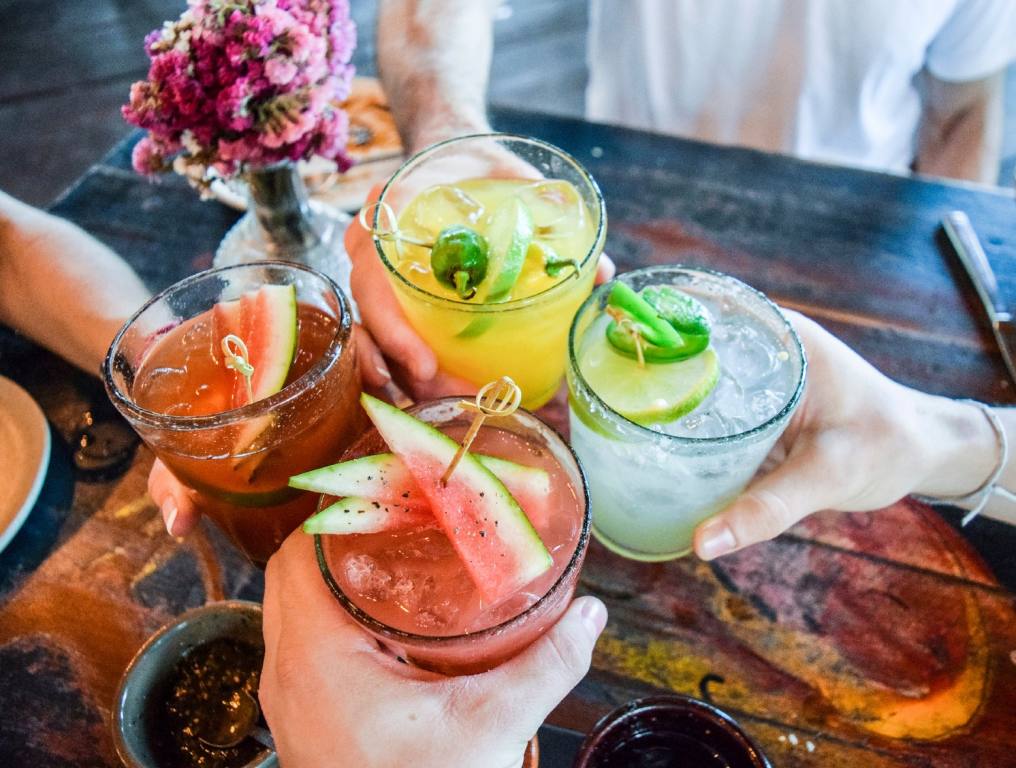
658 392
509 233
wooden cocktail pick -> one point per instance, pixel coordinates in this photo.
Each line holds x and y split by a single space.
498 398
627 325
236 356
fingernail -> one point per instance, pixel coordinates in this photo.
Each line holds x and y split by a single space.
594 616
716 539
169 511
379 365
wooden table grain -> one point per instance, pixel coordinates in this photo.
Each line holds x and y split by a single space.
877 639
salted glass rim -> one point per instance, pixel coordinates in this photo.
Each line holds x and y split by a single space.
442 641
647 432
507 306
331 356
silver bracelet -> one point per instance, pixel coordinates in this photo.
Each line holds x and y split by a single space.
978 499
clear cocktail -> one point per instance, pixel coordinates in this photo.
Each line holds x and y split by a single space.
236 446
666 443
437 589
496 247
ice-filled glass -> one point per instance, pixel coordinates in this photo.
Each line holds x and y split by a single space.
410 589
652 483
165 373
539 219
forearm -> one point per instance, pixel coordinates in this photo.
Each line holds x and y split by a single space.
61 287
960 134
434 61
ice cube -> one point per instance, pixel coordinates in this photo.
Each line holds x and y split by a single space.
765 403
428 620
442 206
748 354
441 614
557 208
503 611
365 575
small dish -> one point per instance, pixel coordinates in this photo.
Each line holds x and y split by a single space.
24 456
154 663
669 730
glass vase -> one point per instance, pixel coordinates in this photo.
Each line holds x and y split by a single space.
282 223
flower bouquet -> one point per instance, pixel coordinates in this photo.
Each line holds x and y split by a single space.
250 87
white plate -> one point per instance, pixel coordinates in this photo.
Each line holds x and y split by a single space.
24 457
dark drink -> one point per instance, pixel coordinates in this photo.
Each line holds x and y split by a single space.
669 731
166 374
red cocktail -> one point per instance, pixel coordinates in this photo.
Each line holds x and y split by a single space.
432 591
237 439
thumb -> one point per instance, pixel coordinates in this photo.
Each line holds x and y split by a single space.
769 506
524 690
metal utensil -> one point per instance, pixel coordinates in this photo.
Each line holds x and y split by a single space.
964 240
236 721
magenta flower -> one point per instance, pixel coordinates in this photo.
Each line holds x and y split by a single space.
242 84
146 158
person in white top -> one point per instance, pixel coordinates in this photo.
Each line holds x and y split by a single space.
887 84
842 81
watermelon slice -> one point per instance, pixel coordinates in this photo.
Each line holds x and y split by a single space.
359 515
226 320
498 546
384 478
381 477
268 326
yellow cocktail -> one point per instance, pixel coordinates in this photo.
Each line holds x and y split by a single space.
531 217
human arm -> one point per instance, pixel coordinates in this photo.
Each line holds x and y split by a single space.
960 133
858 441
434 61
333 697
61 287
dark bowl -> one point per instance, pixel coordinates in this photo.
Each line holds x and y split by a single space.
669 730
154 662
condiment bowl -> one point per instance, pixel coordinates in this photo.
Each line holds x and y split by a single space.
152 665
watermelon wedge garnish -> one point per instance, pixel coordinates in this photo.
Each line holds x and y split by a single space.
498 546
265 321
226 321
359 515
268 327
384 478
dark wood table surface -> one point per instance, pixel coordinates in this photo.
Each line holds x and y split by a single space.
882 639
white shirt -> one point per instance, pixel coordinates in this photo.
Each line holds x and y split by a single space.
831 80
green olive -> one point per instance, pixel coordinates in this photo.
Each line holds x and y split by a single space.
459 259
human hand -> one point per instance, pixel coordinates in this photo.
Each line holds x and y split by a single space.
333 697
858 441
181 506
388 324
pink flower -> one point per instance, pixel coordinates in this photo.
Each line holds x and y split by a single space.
252 87
146 158
280 71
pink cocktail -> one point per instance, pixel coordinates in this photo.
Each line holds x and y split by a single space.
409 587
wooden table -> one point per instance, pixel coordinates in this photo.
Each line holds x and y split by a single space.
882 639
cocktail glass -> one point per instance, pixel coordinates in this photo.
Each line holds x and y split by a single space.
163 376
410 591
525 338
652 485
